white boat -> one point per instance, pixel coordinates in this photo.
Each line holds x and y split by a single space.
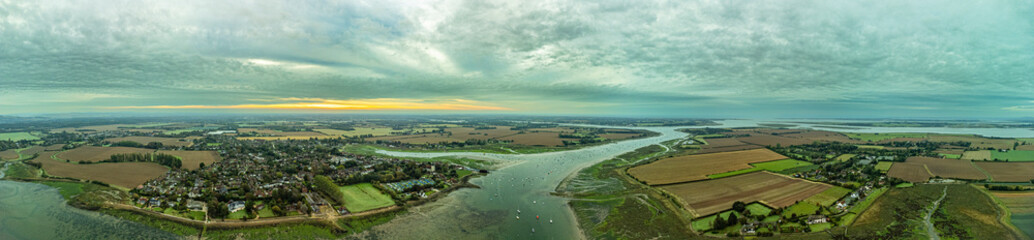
532 230
551 221
518 217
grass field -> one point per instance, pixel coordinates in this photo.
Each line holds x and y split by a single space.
860 207
772 166
800 209
704 224
67 189
17 136
758 209
952 156
884 166
876 137
363 197
845 157
828 197
870 146
1014 156
977 155
707 197
697 167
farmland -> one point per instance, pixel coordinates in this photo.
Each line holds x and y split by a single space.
10 154
977 155
363 197
697 167
772 166
126 174
877 137
193 159
145 140
1014 156
708 197
1021 207
884 166
1008 171
95 154
828 197
965 213
17 136
919 169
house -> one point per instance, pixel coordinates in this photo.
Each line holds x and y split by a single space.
155 202
195 205
235 206
816 219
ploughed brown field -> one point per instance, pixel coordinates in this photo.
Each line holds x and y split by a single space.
698 166
193 159
915 169
145 140
708 197
9 154
128 175
1008 171
95 154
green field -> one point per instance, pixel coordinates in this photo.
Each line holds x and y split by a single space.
820 227
362 197
828 197
17 136
1014 156
780 165
704 224
463 173
870 146
884 166
772 166
800 209
845 157
953 156
859 207
758 209
905 185
734 173
876 137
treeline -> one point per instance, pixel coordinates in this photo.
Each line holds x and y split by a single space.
151 145
327 186
705 131
159 158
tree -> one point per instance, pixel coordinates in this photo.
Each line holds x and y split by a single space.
732 219
200 165
739 206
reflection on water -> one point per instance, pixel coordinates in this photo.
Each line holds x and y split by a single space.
36 211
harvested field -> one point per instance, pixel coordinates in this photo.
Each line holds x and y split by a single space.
33 150
128 175
539 138
708 197
698 166
9 154
94 154
823 136
145 140
914 169
978 142
1008 171
1018 202
977 155
193 159
950 151
499 131
54 147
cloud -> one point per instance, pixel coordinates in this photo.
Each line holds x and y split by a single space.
354 104
606 57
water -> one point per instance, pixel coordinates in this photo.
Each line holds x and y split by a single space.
36 211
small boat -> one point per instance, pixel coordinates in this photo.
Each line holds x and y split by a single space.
518 217
532 230
551 221
536 217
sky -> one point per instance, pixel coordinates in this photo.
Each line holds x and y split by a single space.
947 59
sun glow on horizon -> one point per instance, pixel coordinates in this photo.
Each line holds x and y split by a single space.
354 104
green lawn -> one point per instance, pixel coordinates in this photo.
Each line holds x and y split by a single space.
876 137
734 173
704 224
884 166
780 165
845 157
196 215
364 196
17 136
828 197
463 173
758 209
820 227
237 215
266 212
905 185
801 209
1014 156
